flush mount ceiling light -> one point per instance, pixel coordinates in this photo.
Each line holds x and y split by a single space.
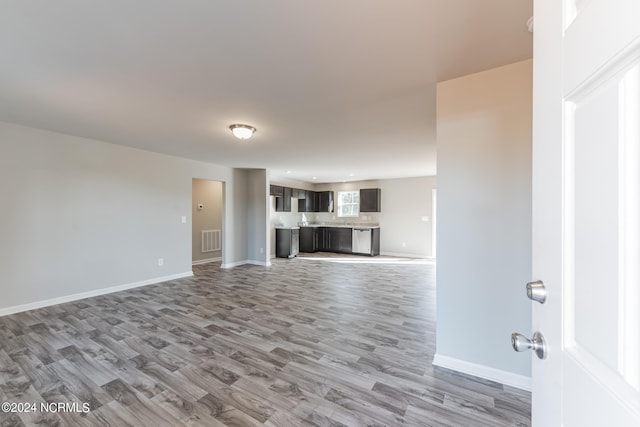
241 131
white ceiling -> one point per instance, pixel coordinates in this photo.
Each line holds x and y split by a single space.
334 87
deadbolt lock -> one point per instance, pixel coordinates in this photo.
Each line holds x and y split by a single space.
536 291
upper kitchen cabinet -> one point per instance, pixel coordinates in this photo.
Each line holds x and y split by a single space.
370 200
308 202
324 201
283 204
276 190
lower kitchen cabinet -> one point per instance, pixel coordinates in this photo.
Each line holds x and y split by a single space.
375 241
334 239
338 239
311 239
307 239
287 242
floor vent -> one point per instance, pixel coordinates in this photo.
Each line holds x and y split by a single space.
210 240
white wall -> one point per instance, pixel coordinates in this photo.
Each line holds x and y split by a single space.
79 215
484 219
258 220
209 194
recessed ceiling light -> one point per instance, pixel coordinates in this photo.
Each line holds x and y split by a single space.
288 172
241 131
351 174
315 177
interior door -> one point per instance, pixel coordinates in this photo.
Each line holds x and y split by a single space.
586 212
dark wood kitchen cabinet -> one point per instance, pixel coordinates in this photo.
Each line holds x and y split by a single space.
324 201
375 242
283 204
276 190
316 201
308 203
334 239
307 239
338 239
311 239
287 242
370 200
330 239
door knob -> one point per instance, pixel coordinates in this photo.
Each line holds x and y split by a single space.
536 291
521 343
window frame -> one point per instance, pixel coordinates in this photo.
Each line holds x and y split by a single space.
340 204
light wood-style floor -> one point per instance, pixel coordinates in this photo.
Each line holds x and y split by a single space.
312 341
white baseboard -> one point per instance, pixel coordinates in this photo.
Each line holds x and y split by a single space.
503 377
206 261
262 263
69 298
246 261
233 264
404 255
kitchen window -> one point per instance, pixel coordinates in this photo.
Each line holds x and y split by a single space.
348 203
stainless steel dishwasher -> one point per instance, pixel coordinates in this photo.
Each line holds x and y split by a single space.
361 240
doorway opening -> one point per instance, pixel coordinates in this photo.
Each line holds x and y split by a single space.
207 221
